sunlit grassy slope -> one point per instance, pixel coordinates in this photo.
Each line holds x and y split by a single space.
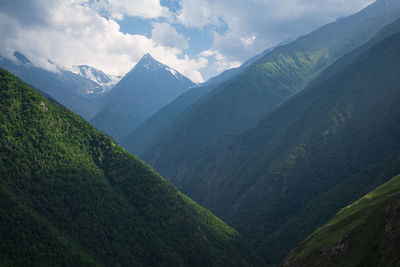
365 233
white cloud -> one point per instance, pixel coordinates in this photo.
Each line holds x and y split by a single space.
255 25
164 34
197 13
248 41
148 9
72 33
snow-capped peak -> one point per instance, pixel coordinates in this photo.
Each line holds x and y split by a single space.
98 76
150 64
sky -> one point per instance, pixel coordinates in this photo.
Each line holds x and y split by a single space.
199 38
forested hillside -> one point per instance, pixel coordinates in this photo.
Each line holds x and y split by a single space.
69 196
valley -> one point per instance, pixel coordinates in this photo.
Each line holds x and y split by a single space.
288 156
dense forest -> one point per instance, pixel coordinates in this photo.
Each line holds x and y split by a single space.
70 196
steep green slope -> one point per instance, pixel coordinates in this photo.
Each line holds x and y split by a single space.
315 153
365 233
240 103
70 196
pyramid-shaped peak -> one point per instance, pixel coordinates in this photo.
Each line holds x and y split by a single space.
148 62
148 58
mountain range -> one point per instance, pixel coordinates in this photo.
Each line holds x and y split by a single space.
114 105
244 179
239 103
157 126
294 151
75 92
316 152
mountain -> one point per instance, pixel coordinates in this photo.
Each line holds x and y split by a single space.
241 102
155 128
365 233
75 92
71 197
230 73
318 151
144 90
98 76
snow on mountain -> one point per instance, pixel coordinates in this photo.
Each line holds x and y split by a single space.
98 76
148 63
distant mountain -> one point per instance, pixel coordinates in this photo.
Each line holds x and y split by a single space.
239 103
230 73
318 151
21 58
88 72
144 90
365 233
69 196
156 128
75 92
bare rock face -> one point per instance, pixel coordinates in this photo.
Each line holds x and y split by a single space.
390 237
340 247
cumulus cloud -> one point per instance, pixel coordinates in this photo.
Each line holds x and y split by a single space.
197 13
137 8
163 33
255 25
72 32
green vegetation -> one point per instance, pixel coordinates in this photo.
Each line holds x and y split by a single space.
69 196
157 126
240 103
318 151
362 234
